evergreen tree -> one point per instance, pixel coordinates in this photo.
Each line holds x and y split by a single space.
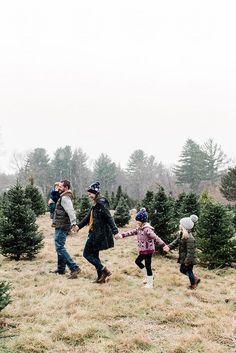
105 171
228 185
84 207
215 160
119 193
37 202
37 165
122 214
18 231
112 203
192 168
81 174
148 199
190 205
106 195
61 164
178 206
161 215
215 233
4 294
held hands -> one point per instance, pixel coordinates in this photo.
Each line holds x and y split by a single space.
74 228
166 248
118 236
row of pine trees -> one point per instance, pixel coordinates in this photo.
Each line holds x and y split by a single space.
214 232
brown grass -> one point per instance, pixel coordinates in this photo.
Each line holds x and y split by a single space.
51 313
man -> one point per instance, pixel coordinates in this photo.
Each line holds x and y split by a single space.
101 230
64 220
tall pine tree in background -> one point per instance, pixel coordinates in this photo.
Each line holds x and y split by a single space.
122 214
38 204
215 233
161 215
228 185
192 168
216 160
105 171
4 294
18 231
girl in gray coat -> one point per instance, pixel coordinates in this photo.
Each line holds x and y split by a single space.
187 250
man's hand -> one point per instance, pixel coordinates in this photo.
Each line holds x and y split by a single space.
74 228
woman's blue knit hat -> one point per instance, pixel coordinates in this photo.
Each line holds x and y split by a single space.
142 215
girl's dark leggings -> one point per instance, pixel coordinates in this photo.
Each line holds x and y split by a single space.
188 271
148 262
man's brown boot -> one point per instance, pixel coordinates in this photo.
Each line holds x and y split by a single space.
74 274
105 273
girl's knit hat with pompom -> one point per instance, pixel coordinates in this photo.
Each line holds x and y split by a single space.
142 215
186 223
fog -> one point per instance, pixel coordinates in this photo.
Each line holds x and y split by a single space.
112 77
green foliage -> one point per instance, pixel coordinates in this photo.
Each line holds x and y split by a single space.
147 201
215 160
80 173
18 231
215 233
161 215
119 193
192 166
61 164
4 294
112 201
107 198
84 207
187 204
122 214
228 185
105 171
142 171
37 202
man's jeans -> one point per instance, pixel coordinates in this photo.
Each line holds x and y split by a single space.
92 255
188 271
63 257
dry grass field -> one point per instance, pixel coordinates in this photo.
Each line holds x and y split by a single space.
51 313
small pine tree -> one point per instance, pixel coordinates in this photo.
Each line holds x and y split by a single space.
148 199
4 294
215 233
84 207
18 230
122 214
112 203
37 202
161 215
106 195
190 205
119 193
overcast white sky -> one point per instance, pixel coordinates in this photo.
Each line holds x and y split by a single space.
114 76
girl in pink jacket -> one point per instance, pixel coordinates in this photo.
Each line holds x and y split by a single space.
146 238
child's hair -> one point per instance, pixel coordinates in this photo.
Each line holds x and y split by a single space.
56 183
185 233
